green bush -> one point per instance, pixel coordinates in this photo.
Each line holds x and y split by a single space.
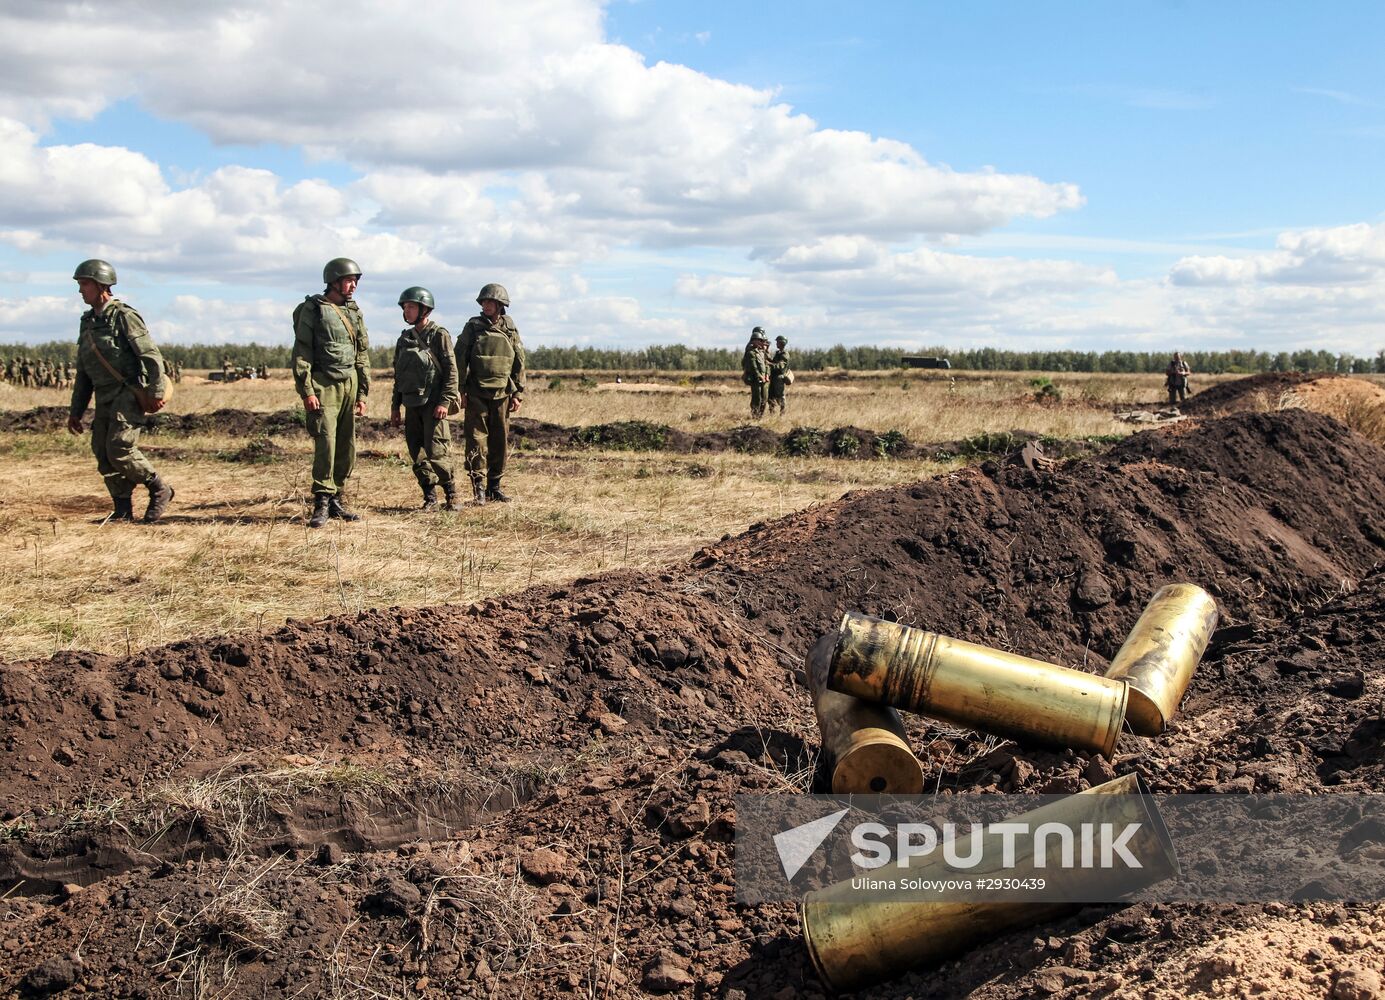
1045 391
802 441
844 444
890 443
555 384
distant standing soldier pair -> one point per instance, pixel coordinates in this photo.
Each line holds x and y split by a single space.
768 377
484 379
117 363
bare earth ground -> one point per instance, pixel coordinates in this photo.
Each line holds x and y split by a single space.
531 795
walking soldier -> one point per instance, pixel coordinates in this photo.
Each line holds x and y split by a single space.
117 363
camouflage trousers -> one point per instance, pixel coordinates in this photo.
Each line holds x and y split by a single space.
1178 390
758 393
333 430
429 441
115 442
486 431
776 394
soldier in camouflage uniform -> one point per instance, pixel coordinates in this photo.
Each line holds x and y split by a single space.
755 371
425 386
778 373
490 371
1176 379
26 373
115 352
331 370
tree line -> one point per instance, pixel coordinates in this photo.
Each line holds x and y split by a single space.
680 357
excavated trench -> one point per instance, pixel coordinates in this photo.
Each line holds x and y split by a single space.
592 737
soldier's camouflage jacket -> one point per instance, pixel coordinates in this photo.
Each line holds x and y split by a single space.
329 342
119 333
425 372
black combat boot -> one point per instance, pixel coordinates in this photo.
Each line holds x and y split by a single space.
430 498
124 509
320 515
450 495
335 509
493 492
160 496
478 493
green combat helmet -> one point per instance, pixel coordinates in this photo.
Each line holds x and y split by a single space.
417 294
781 340
338 268
494 291
97 270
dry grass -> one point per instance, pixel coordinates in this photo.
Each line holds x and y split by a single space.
235 554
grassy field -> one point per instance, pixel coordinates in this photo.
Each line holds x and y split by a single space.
234 552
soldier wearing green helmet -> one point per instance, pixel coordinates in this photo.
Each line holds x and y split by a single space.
780 377
425 390
116 355
490 371
755 370
331 370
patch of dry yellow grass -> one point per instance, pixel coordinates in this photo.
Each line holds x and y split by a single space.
234 552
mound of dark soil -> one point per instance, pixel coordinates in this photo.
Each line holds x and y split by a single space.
1059 562
1254 392
579 747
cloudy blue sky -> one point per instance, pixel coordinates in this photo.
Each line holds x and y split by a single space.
1086 175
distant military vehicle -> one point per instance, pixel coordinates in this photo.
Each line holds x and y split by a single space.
916 361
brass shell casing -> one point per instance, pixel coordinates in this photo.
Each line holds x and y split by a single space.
1161 652
867 747
855 943
865 742
975 686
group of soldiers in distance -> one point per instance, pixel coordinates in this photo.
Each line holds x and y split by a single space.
768 376
38 373
119 366
231 372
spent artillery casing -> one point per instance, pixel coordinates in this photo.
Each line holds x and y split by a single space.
976 686
855 943
1161 652
864 741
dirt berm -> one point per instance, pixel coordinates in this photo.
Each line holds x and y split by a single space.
533 796
626 435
